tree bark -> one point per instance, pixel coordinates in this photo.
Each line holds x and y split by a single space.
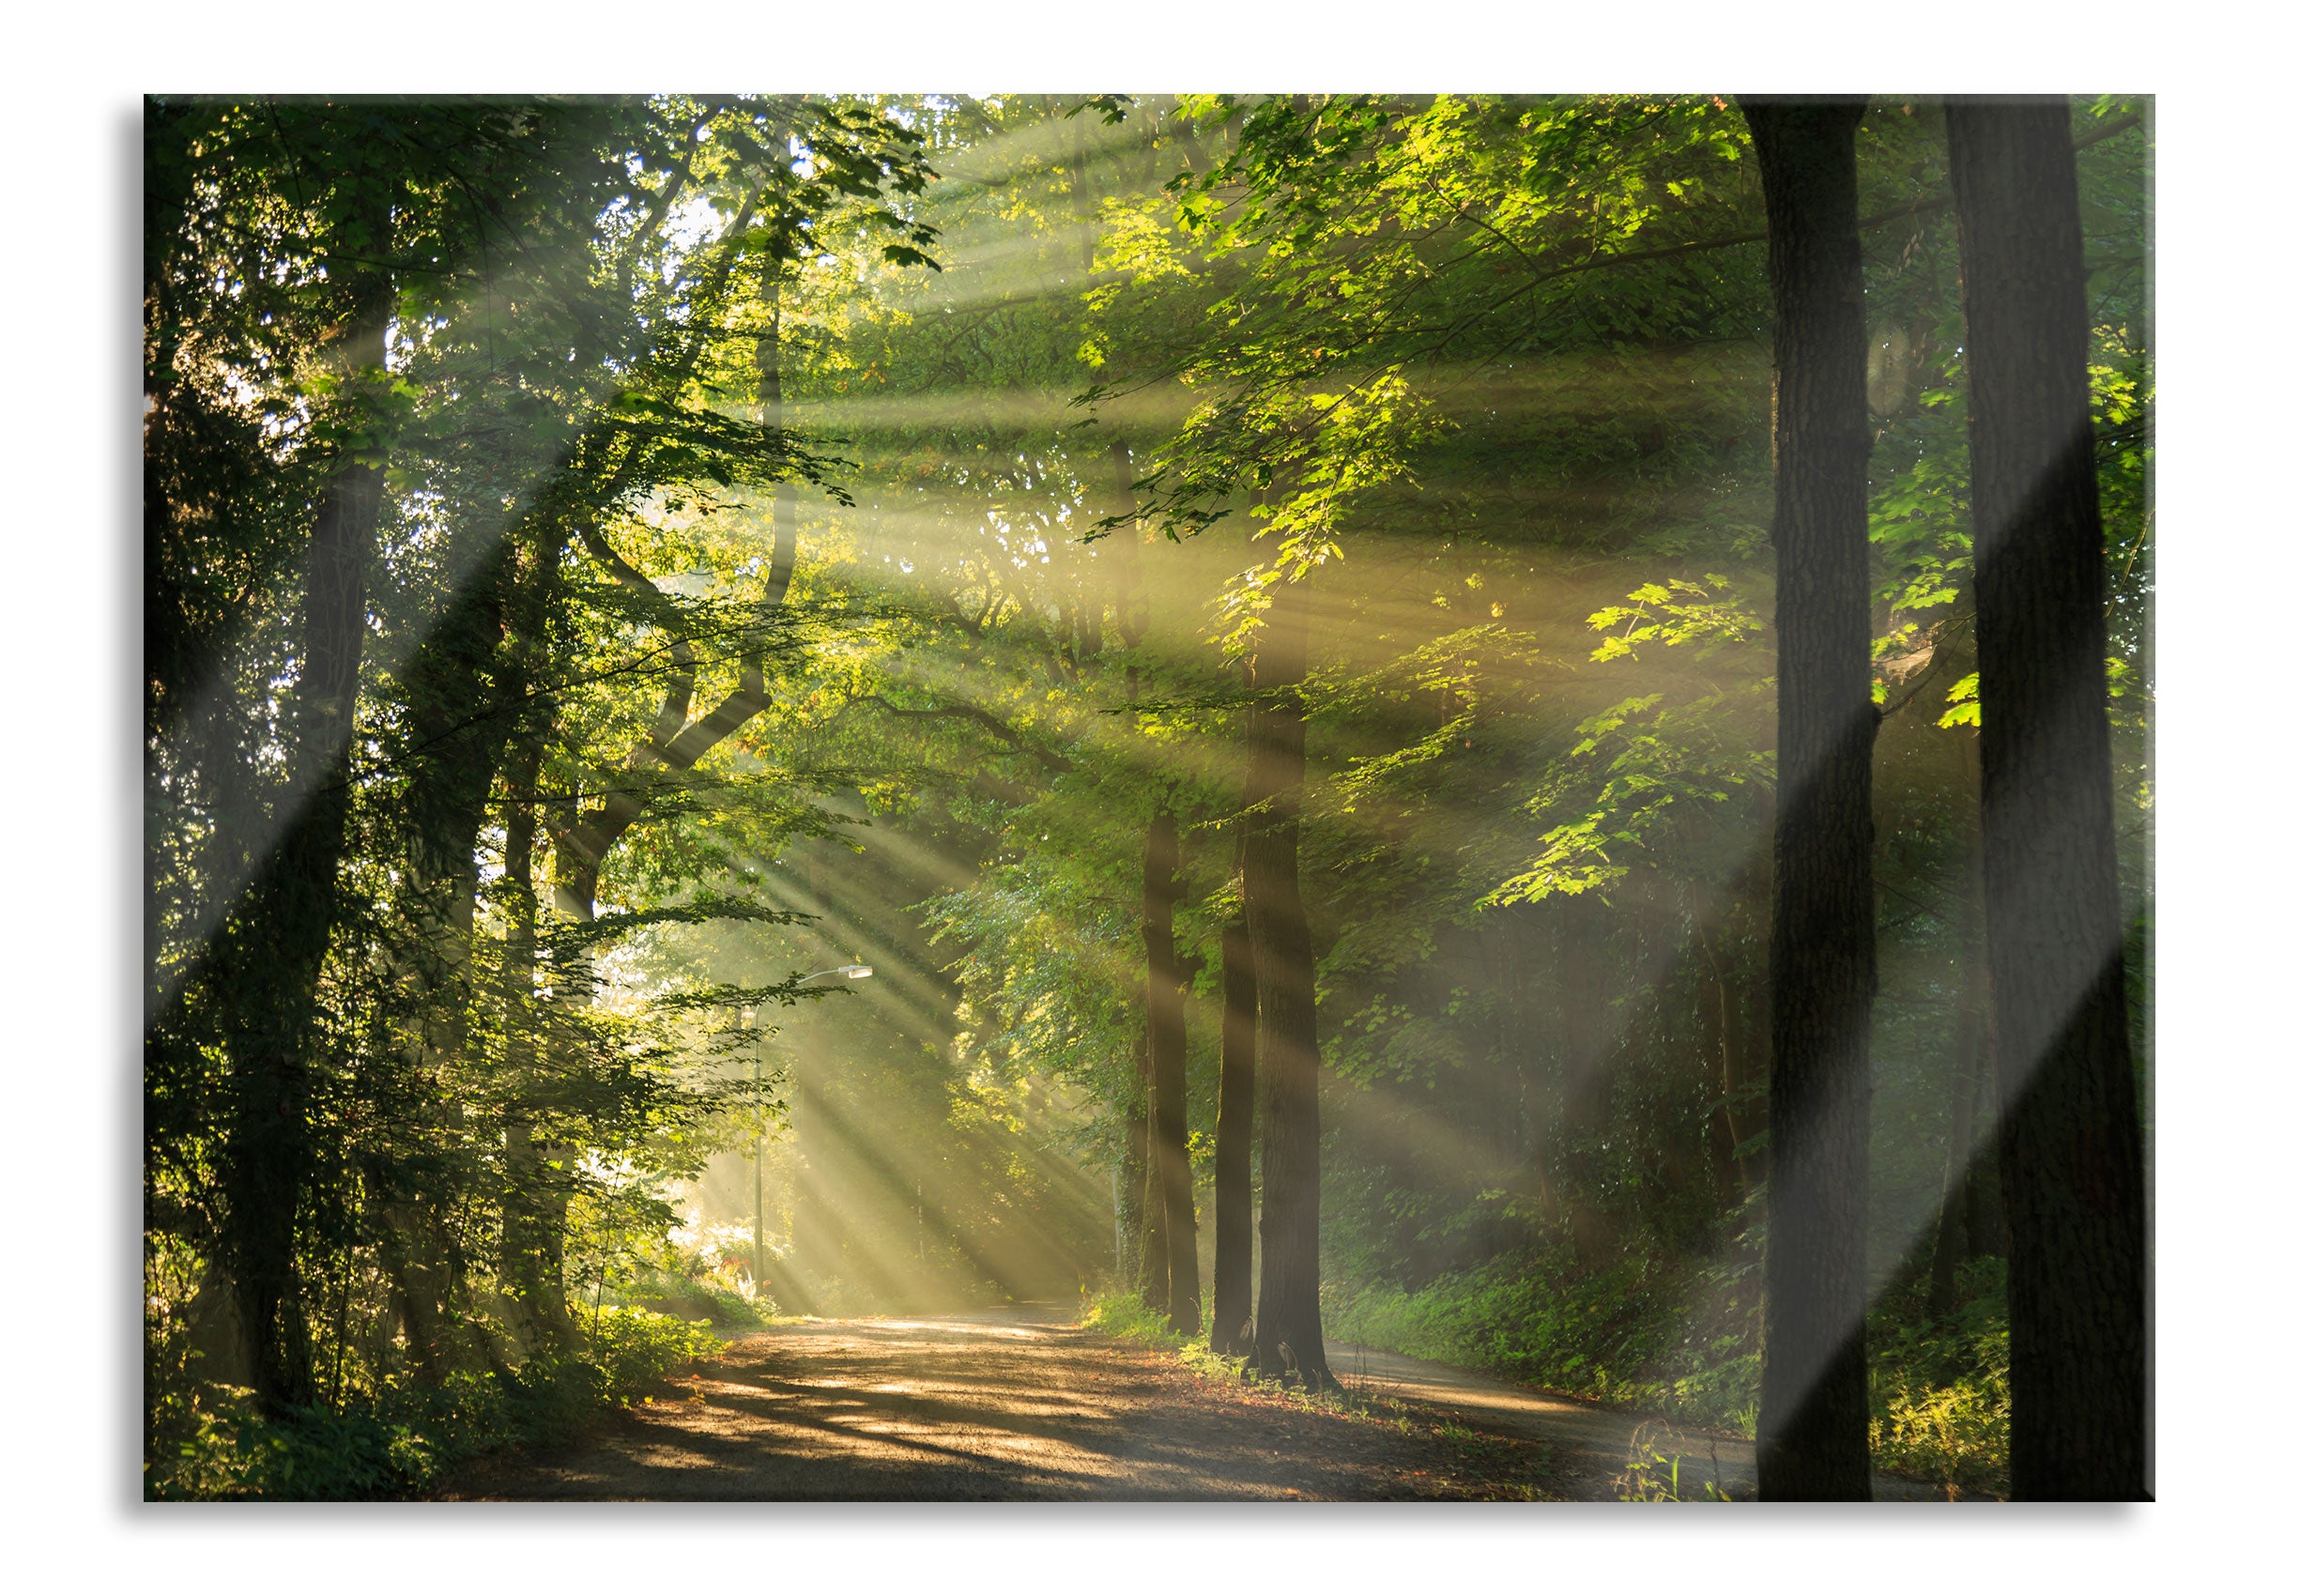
1952 1238
1169 1079
1233 1132
1151 1275
1289 1334
1134 1166
2069 1136
1812 1397
291 913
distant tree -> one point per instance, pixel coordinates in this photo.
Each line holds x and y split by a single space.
1813 1400
2069 1136
1153 1269
1169 1086
1234 1129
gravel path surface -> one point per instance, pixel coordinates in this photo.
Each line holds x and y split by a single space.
1020 1404
1012 1405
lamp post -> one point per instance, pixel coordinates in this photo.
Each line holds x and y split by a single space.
758 1189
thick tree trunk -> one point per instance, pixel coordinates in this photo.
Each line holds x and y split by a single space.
291 914
2069 1136
1812 1397
1289 1334
1169 1079
1952 1238
1233 1160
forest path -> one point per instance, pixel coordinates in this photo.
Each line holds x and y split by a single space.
1020 1403
1592 1444
1015 1404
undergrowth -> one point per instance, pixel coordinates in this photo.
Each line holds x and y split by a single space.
1941 1389
1664 1338
1680 1342
207 1442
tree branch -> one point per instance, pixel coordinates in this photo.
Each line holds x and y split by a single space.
982 718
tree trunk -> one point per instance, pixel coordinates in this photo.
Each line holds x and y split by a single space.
1134 1166
1953 1239
1289 1335
1126 552
291 912
1168 1080
1813 1396
1724 1131
1151 1274
1233 1132
2069 1129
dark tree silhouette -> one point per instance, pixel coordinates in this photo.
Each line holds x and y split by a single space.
1813 1398
1234 1129
2069 1135
1168 1084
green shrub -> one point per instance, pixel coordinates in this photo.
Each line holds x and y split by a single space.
634 1349
1125 1314
698 1296
1941 1389
1682 1342
207 1442
1672 1339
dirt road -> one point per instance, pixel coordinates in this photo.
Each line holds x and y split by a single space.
1591 1444
1019 1404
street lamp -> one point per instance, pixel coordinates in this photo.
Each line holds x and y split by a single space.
851 972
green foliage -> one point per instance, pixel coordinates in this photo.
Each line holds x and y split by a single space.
1657 1466
1940 1390
210 1442
1668 1337
635 1348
